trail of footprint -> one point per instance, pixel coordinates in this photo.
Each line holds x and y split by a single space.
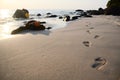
99 63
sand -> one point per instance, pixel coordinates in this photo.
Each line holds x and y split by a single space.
65 54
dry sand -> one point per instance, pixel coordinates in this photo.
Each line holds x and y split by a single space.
65 54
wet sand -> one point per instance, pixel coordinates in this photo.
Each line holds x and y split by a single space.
87 49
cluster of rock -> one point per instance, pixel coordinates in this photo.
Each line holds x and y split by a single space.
76 15
48 15
24 13
36 25
100 11
113 8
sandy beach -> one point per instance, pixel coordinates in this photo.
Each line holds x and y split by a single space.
64 54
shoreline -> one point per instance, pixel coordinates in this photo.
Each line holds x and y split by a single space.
68 53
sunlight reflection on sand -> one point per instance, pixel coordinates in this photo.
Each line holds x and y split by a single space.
6 31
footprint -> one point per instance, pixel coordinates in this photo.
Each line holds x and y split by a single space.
96 36
87 43
88 31
91 28
99 63
87 25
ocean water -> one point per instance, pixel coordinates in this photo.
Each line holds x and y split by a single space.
8 23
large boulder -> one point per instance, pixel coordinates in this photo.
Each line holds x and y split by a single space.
24 13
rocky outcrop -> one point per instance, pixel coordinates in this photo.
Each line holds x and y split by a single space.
113 7
31 25
24 13
100 11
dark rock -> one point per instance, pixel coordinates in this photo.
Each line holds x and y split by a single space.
52 16
25 10
79 10
101 10
66 18
39 14
113 11
84 14
87 15
60 17
93 12
113 7
49 13
21 13
74 17
30 25
18 30
43 22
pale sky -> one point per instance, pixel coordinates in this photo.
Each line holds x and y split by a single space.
53 4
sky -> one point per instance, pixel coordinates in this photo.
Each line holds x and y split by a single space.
53 4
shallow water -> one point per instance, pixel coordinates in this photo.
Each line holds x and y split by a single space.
7 23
